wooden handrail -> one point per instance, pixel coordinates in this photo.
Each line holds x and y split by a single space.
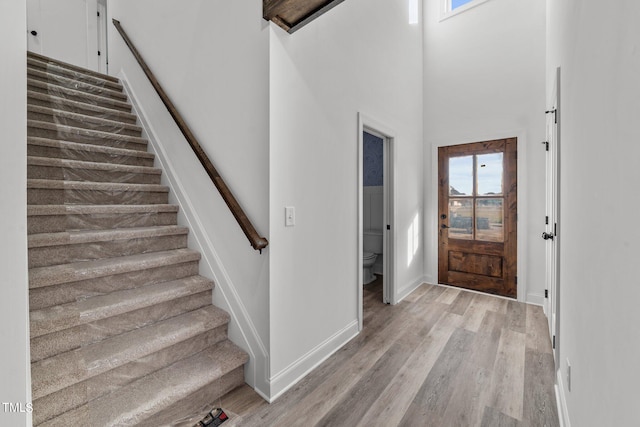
257 242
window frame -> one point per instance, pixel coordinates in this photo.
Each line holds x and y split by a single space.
446 12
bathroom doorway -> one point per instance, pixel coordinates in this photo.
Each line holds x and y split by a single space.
375 210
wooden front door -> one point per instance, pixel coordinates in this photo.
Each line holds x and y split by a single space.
477 214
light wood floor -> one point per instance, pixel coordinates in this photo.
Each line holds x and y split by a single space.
442 357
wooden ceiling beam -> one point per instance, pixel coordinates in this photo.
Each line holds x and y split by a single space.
291 15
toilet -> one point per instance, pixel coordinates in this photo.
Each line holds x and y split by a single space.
371 247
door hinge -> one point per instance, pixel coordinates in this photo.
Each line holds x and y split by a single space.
98 13
555 114
546 145
546 220
546 293
516 279
553 344
99 53
555 229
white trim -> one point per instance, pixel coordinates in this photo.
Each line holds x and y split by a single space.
407 290
446 12
561 401
378 128
241 329
289 376
536 299
523 198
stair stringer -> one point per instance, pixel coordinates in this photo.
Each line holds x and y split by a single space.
241 329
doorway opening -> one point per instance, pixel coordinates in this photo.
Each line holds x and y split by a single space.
376 247
477 216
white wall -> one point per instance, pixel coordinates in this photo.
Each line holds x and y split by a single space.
362 56
598 49
484 77
14 335
211 56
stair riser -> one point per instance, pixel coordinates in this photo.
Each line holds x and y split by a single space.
87 156
79 122
45 100
59 223
38 196
64 293
193 404
80 97
78 394
86 138
75 337
75 174
55 255
60 72
57 84
51 62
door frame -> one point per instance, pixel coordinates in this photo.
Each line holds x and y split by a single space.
432 209
504 284
102 37
389 271
552 209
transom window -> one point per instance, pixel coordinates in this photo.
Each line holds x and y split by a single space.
453 7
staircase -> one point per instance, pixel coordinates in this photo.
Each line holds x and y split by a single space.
123 331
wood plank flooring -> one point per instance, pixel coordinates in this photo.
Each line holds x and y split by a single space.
442 357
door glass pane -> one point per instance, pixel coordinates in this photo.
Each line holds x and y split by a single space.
490 174
489 216
461 176
461 219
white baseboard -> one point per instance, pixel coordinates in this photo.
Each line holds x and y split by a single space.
241 329
563 413
289 376
535 299
406 290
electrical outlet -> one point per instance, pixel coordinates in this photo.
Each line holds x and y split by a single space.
568 375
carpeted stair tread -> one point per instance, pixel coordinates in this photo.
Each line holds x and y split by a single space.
55 102
77 95
88 121
66 82
60 317
95 236
101 186
60 218
63 370
79 164
50 69
68 148
34 210
138 401
83 270
94 136
113 90
75 68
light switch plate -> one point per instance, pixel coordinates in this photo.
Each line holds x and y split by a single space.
289 216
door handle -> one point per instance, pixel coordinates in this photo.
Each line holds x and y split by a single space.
444 226
34 33
547 236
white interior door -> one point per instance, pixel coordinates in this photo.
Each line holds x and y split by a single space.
551 233
64 29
